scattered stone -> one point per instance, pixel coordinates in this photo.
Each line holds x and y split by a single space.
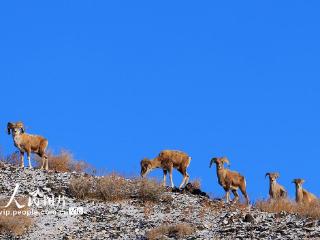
249 218
133 218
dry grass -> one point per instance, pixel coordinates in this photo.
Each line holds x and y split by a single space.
284 205
173 231
64 162
13 158
109 188
14 225
81 188
148 189
114 187
196 183
61 162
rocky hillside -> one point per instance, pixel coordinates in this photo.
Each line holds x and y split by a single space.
196 216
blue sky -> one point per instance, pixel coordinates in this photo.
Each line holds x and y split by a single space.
116 82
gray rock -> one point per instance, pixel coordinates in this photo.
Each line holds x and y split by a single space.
132 218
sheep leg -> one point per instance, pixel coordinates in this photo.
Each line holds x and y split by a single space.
246 197
185 177
42 162
187 180
29 160
170 175
227 196
21 159
182 183
164 177
236 195
47 163
244 193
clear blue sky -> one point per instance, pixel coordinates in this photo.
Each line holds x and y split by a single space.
116 82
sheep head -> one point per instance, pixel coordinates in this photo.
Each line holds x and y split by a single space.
15 127
298 182
219 162
272 176
145 166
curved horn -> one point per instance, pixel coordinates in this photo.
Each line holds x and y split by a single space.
297 180
212 161
225 160
9 127
20 125
267 174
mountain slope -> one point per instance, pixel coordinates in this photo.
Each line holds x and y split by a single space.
134 218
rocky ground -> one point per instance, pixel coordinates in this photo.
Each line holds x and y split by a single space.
132 218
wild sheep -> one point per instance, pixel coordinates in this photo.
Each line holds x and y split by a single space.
28 143
302 195
275 189
230 180
167 160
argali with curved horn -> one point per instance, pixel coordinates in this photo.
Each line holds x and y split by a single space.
28 143
230 180
168 160
275 189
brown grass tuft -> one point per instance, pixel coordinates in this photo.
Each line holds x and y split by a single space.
81 188
64 162
13 159
173 231
114 187
285 205
196 183
14 225
149 189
